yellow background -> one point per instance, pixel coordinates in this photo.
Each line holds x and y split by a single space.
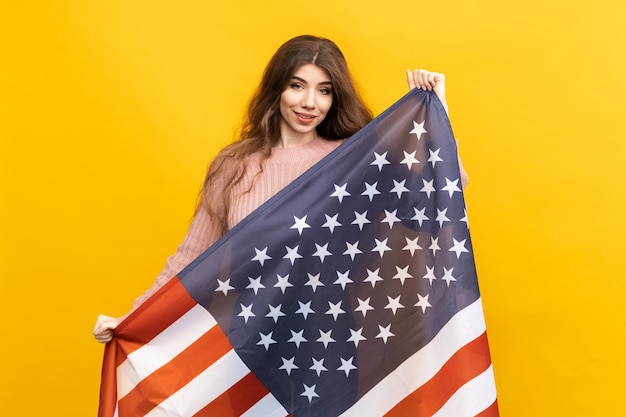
110 111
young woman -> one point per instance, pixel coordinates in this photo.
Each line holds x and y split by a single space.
305 106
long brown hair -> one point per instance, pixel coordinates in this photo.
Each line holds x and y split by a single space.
261 127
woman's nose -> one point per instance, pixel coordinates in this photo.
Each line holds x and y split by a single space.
308 100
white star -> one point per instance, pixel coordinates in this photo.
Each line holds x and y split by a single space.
246 312
430 275
428 187
346 365
418 129
292 254
288 365
390 218
419 215
393 304
297 337
402 274
411 245
283 283
318 366
434 245
331 222
364 306
373 277
305 309
451 187
381 247
465 219
458 247
384 333
342 279
422 302
300 224
441 217
224 286
409 159
340 192
266 340
447 275
261 256
255 284
309 392
314 281
399 188
434 157
275 312
380 160
335 309
360 219
325 338
356 336
370 190
322 252
352 250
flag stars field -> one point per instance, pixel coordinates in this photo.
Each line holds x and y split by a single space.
224 286
399 188
297 338
261 256
434 157
331 222
340 192
418 129
300 224
409 159
412 245
380 160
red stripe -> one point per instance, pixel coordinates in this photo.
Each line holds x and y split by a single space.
137 329
174 375
146 322
108 384
237 399
466 364
491 411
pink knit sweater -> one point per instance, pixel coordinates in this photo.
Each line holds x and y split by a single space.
283 166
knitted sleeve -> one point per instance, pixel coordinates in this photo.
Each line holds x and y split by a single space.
201 234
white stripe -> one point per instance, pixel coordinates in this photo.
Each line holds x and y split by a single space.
472 398
267 407
163 348
464 327
204 388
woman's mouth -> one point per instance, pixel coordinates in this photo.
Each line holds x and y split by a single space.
305 117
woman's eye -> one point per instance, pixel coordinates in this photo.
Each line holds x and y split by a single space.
326 91
297 86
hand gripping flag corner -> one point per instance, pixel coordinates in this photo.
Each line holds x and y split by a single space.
352 292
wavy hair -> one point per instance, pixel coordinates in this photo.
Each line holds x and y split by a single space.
261 126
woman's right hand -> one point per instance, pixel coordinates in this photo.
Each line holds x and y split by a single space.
103 330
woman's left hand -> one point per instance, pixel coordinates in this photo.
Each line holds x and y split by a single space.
427 80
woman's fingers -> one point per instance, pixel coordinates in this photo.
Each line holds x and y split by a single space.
103 330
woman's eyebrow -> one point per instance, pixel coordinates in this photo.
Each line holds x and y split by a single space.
302 80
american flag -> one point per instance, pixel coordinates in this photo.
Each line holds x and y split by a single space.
352 292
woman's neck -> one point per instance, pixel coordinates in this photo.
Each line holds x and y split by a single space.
287 140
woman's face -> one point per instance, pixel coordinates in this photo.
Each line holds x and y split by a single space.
305 102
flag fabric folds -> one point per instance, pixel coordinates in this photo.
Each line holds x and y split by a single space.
352 292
